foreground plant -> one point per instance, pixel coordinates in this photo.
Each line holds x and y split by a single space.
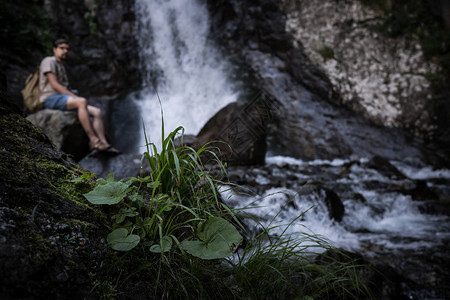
175 207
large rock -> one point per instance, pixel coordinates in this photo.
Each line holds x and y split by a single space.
238 132
384 167
64 130
51 244
332 201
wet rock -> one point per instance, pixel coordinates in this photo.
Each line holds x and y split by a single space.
376 76
421 192
64 130
40 221
241 132
384 167
310 124
332 201
122 166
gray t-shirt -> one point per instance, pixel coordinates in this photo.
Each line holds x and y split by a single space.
50 64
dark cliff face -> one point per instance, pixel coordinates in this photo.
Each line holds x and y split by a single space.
103 62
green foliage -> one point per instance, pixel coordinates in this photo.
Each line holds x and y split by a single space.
83 178
166 206
120 240
110 192
90 18
165 244
24 27
217 238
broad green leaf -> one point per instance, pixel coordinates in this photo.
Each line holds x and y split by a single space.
120 240
165 244
160 197
206 251
109 193
140 179
123 213
147 243
217 237
136 197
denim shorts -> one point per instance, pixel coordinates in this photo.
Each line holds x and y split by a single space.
56 101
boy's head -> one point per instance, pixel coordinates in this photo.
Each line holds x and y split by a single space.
61 49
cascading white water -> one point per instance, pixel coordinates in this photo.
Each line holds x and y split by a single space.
180 65
386 219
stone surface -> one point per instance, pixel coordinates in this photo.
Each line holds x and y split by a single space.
382 78
332 201
241 130
64 130
122 166
313 126
49 244
384 167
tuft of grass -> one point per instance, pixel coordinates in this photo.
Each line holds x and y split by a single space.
295 266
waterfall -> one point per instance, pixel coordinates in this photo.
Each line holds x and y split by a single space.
181 65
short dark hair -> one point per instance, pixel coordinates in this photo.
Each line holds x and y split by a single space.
58 42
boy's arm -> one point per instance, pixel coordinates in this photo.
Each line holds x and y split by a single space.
57 86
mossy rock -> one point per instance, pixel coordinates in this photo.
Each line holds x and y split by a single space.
52 240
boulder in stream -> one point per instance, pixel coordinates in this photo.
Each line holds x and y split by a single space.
332 201
237 132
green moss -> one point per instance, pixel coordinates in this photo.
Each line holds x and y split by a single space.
26 158
76 223
39 245
326 53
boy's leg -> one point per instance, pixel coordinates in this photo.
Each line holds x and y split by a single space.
97 123
83 115
99 128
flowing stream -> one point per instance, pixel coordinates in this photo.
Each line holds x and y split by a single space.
379 212
387 220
